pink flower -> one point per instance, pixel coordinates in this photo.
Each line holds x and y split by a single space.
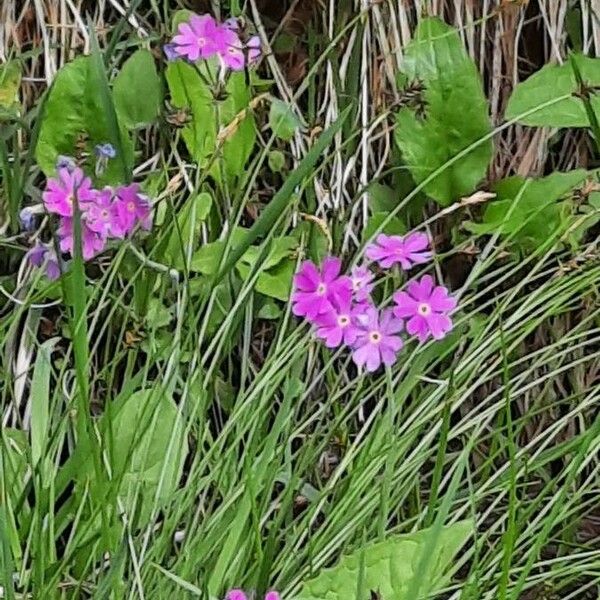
60 193
232 52
130 208
200 38
362 285
377 341
339 324
101 215
240 595
427 307
315 290
408 251
91 242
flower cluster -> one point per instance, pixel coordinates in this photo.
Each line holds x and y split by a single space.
106 213
109 213
202 37
341 309
240 595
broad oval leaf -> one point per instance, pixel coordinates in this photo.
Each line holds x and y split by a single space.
137 90
530 212
74 118
550 96
191 94
148 440
282 120
456 115
388 567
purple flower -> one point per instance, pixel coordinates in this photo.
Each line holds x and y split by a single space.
65 162
105 151
101 215
377 341
339 324
410 250
130 208
234 55
231 50
92 242
315 290
200 38
44 254
240 595
362 285
427 307
60 193
170 51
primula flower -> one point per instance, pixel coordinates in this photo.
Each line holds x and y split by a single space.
339 324
410 250
91 241
101 215
427 307
234 55
362 285
240 595
130 208
43 254
377 340
200 38
232 52
315 290
60 193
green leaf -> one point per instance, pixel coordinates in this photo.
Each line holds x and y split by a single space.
158 314
10 83
189 222
282 120
189 92
73 111
394 227
137 91
553 90
382 198
532 214
40 399
388 566
206 258
456 114
277 282
148 440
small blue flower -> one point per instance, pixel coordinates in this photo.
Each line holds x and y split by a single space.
106 151
27 218
170 51
66 162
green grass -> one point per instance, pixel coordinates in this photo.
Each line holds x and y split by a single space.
293 458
